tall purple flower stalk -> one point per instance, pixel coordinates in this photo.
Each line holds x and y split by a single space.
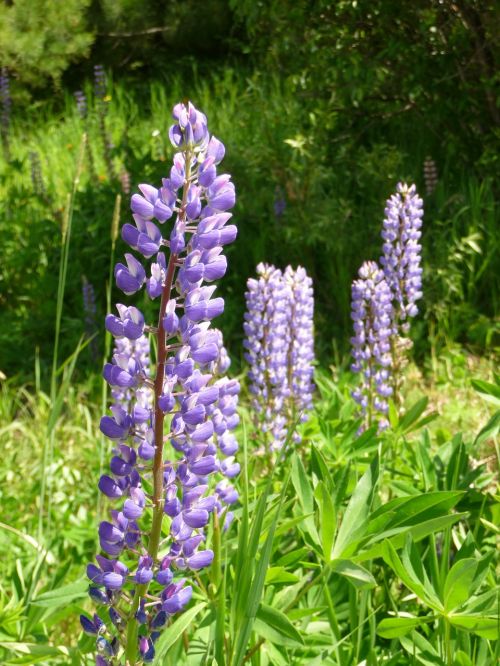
166 454
372 315
81 103
90 316
279 349
5 109
401 257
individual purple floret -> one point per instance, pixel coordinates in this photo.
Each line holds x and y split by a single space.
372 315
401 252
171 426
279 349
81 103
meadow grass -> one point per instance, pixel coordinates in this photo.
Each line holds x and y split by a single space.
306 607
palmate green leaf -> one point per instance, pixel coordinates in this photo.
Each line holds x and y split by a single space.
320 468
360 577
62 596
173 632
413 509
395 627
356 515
486 627
278 621
34 653
458 583
419 646
409 578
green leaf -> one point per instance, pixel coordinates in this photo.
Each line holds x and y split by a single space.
279 575
356 515
486 627
490 392
490 430
274 618
173 632
304 492
418 646
407 577
63 595
326 519
395 627
458 582
412 415
360 577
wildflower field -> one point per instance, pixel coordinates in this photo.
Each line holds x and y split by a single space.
249 388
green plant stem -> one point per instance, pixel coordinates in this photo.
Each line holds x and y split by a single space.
48 446
155 533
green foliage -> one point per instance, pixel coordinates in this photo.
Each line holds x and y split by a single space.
41 38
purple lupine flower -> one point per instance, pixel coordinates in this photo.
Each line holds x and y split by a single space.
168 474
401 253
302 340
372 316
100 87
279 202
81 103
5 108
430 175
90 316
279 348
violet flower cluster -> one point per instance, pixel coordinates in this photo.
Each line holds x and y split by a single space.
90 316
172 429
81 103
5 109
401 256
383 301
372 315
279 349
430 175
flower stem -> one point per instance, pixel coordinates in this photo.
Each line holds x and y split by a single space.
155 533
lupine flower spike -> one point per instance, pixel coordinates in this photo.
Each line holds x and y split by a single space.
90 317
171 426
5 109
279 349
372 314
101 98
401 260
430 176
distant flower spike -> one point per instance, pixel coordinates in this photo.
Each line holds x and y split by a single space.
279 349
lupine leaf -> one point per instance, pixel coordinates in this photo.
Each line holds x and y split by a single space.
360 577
486 627
63 595
395 627
356 515
458 583
279 622
173 632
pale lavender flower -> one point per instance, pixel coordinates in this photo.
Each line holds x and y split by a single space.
279 349
430 175
5 108
90 316
81 103
184 392
402 252
372 315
